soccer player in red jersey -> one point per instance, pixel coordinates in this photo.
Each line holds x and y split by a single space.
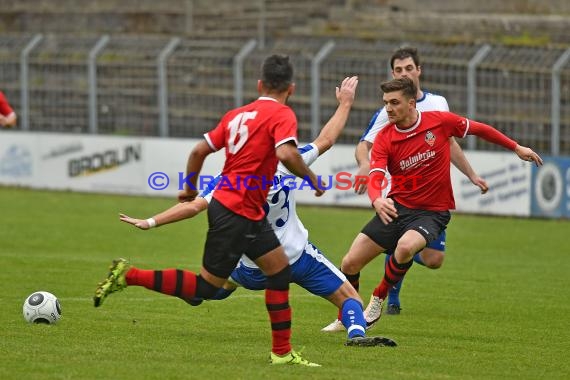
255 137
405 62
415 149
7 115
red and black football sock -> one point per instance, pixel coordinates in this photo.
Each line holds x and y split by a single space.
277 303
393 273
173 282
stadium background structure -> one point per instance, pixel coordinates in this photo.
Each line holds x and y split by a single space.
171 68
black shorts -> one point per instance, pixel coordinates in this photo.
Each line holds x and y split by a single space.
231 235
428 223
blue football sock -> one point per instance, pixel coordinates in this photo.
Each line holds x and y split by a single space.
353 318
394 294
418 259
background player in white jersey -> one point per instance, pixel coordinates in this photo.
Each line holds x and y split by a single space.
310 268
405 62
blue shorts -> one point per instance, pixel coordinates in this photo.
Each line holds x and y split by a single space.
439 243
312 271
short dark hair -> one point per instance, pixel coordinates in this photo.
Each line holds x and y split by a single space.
403 53
406 85
277 73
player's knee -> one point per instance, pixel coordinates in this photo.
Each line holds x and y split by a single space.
433 259
279 280
349 265
405 251
204 289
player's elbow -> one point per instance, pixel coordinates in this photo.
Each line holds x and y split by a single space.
195 207
201 150
324 143
286 153
362 151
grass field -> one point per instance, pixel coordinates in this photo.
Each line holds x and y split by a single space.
499 308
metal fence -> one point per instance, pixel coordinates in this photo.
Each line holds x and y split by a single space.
170 86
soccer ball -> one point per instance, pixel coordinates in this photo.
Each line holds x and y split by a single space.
42 307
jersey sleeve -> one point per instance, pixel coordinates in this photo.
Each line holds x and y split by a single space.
216 138
285 127
377 123
455 125
379 155
5 108
208 192
378 166
309 153
490 134
442 104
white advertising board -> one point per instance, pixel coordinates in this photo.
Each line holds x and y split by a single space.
509 181
155 166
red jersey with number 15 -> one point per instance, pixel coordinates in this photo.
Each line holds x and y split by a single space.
250 135
418 159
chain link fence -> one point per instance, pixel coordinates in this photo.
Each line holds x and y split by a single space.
180 87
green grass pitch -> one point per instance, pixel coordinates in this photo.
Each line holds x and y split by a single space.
499 308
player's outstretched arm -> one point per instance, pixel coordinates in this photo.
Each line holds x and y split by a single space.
333 128
492 135
460 162
179 211
362 155
288 154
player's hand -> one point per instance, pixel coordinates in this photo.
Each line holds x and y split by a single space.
360 183
480 183
320 188
385 209
4 122
139 223
527 154
187 195
347 90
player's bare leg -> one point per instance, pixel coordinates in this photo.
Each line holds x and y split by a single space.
395 269
361 252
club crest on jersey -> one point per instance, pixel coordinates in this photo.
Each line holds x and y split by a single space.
430 138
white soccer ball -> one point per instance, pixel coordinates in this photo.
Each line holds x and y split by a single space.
42 307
